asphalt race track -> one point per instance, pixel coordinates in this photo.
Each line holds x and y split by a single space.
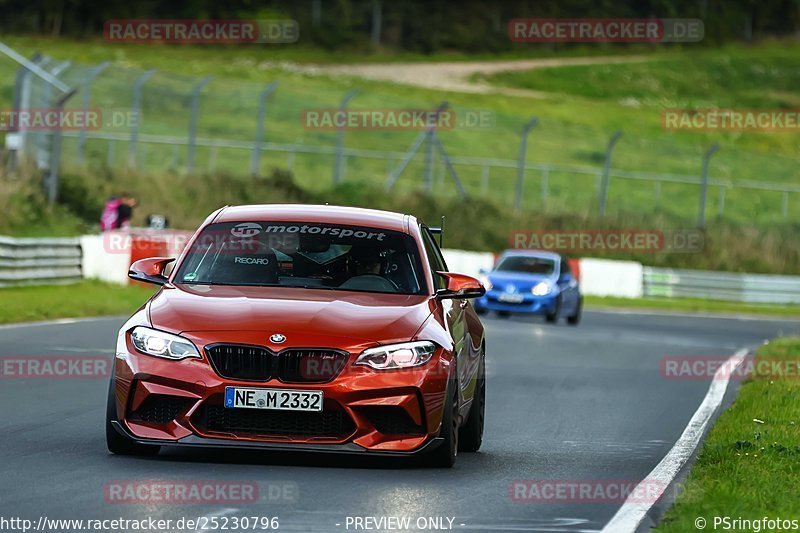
585 403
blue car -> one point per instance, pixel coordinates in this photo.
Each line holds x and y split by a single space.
534 282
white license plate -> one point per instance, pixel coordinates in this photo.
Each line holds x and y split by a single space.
511 298
280 399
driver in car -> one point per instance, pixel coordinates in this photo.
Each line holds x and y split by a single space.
367 263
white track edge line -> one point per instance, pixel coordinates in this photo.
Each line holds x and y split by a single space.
634 511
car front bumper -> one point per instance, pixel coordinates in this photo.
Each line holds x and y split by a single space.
180 403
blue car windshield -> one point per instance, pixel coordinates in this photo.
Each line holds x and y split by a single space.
527 265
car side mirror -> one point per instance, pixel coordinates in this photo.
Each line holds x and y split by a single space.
565 278
150 270
460 286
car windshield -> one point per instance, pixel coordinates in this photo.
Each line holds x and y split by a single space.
527 265
308 255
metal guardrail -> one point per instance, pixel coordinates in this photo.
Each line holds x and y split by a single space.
39 261
735 287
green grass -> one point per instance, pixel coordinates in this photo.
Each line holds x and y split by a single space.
163 55
748 469
750 235
84 299
726 77
574 125
691 305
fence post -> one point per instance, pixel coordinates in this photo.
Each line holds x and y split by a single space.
255 161
607 171
701 217
137 115
42 150
193 122
545 186
337 164
55 153
21 100
523 148
427 135
91 74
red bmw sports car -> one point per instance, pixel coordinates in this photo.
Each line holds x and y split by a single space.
306 328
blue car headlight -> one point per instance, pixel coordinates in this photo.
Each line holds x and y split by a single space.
542 288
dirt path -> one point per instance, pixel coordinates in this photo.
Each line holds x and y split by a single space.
455 76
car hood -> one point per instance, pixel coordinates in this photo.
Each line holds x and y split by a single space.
302 314
520 281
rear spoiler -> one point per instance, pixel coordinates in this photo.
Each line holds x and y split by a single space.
440 232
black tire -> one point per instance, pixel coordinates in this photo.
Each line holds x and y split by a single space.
481 311
444 456
575 319
552 318
470 435
504 314
116 443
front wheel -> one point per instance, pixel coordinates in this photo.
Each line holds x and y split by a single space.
575 319
552 317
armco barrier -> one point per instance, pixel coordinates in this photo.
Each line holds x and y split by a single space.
737 287
107 257
39 261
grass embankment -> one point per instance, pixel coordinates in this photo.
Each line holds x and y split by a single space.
748 466
575 124
691 305
88 298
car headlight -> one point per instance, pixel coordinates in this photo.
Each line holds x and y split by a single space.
160 344
486 282
405 355
541 289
